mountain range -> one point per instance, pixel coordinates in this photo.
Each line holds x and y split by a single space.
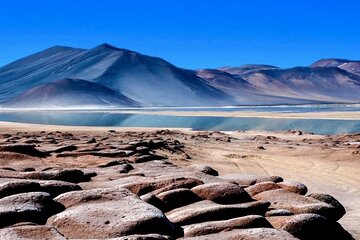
110 77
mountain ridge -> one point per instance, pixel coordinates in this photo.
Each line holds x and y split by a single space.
153 81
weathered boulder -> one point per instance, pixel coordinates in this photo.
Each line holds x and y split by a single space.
177 198
294 186
143 187
240 179
155 201
261 187
247 234
274 179
60 149
309 226
296 203
340 210
124 168
278 212
12 187
27 207
106 213
110 164
67 175
55 188
142 237
226 193
27 149
147 157
209 211
204 168
251 221
30 233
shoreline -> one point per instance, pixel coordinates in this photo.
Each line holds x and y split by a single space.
254 114
331 115
35 127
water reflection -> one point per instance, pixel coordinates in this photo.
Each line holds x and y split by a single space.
319 126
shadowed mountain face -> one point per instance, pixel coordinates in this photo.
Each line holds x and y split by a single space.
70 93
148 80
112 76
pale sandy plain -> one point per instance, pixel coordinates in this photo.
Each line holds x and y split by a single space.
326 164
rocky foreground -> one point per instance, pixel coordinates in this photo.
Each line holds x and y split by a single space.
144 185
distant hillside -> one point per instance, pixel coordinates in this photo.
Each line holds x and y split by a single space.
70 93
347 65
108 76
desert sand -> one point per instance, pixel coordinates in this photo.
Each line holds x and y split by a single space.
325 164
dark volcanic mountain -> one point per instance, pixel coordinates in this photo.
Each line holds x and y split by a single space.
70 92
112 77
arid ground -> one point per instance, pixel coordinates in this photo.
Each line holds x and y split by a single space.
325 164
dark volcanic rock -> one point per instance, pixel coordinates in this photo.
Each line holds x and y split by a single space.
226 193
27 207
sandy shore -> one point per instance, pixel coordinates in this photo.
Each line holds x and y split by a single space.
13 127
326 164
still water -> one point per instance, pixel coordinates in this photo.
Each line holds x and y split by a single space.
96 118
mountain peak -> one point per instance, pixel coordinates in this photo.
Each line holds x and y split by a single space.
108 46
329 62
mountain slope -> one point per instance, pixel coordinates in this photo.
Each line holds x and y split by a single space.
34 70
244 92
328 84
347 65
268 84
149 80
70 92
120 77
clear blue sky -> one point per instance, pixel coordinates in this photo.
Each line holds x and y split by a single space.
188 33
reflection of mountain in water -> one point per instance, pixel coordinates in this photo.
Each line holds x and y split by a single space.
319 126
